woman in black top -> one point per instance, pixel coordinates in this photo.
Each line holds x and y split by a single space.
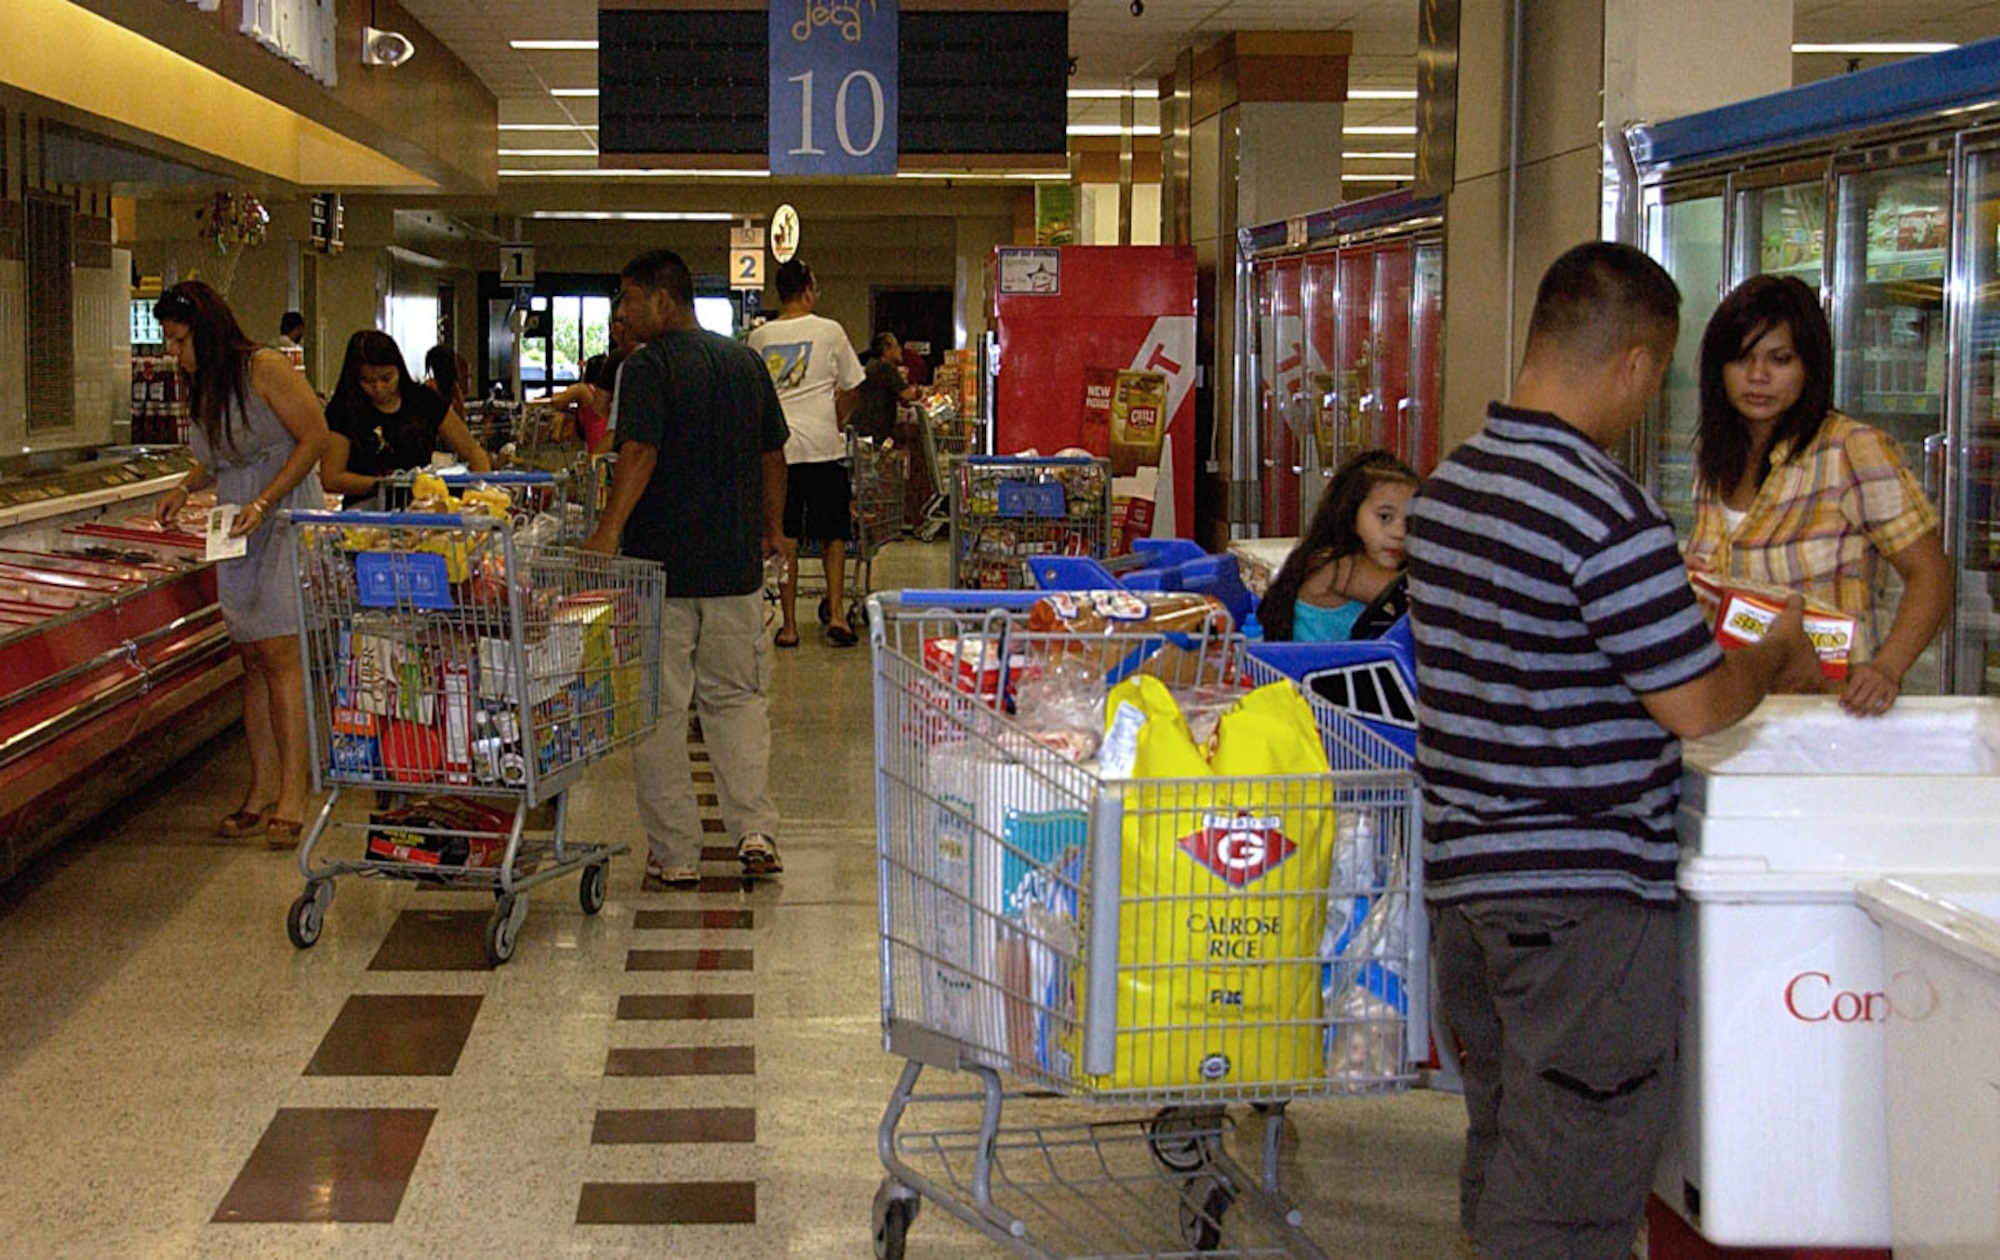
380 422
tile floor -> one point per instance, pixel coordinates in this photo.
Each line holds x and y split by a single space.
685 1074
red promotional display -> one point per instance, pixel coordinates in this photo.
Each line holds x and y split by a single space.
1097 351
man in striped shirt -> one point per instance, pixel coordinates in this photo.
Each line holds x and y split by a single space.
1560 659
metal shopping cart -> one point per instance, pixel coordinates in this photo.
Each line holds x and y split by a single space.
544 507
1036 919
946 438
448 669
876 479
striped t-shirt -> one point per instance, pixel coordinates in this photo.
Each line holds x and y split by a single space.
1546 596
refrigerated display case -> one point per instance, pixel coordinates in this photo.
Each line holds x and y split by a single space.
1877 190
1344 350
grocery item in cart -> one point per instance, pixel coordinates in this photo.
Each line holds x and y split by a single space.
1175 631
1742 611
1223 876
427 831
1366 944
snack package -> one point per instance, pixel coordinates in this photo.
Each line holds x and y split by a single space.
1196 620
1741 611
1138 421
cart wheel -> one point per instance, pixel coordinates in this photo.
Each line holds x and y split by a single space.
304 921
825 612
504 926
1203 1202
590 888
1178 1138
895 1208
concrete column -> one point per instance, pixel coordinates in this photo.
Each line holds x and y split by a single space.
1541 84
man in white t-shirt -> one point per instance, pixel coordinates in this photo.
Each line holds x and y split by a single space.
817 373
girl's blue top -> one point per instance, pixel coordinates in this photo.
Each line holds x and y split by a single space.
1313 624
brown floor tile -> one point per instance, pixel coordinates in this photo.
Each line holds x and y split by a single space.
382 1034
681 1061
697 753
329 1164
724 883
435 940
687 1006
689 960
718 853
667 1203
704 776
692 920
714 825
674 1124
708 799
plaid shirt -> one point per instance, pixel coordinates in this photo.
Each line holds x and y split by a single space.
1820 521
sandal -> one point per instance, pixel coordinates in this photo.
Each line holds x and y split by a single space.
282 833
779 640
241 823
841 636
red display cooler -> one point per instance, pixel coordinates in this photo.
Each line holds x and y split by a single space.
1283 404
1097 352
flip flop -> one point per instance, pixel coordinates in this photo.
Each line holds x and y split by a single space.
282 833
779 640
241 823
841 636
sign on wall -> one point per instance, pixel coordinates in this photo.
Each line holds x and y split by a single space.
833 87
746 258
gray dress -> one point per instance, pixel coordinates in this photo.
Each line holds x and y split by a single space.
258 590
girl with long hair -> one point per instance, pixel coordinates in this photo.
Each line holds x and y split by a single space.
1351 552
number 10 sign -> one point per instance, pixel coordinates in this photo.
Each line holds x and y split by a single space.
833 87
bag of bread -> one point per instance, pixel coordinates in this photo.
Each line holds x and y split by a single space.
1173 635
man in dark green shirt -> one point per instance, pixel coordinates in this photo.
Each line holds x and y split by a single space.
699 487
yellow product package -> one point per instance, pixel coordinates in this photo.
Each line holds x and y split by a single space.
1222 892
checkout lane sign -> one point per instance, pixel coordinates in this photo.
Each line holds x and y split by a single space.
833 87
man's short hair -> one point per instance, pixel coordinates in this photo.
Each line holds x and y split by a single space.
794 278
291 323
1600 299
662 269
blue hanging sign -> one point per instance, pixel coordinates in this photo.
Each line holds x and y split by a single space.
833 87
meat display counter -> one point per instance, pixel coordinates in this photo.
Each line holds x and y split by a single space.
114 662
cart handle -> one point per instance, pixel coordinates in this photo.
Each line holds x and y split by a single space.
492 478
415 520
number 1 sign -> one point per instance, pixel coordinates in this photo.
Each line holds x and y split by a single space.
833 87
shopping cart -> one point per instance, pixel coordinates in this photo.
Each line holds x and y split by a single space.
876 480
946 438
1036 918
448 668
545 507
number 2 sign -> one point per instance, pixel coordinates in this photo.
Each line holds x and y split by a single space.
833 87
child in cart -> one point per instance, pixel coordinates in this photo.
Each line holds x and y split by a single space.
1351 555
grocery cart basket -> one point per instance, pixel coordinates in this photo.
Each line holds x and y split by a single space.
1168 948
464 679
544 506
1008 509
875 477
946 437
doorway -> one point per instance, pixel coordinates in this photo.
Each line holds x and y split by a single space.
920 317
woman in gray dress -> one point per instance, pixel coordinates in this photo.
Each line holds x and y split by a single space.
257 435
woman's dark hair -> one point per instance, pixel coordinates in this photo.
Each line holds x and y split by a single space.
1330 536
601 370
368 348
441 365
1755 307
880 346
222 353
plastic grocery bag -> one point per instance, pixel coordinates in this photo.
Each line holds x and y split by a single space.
1222 890
1365 942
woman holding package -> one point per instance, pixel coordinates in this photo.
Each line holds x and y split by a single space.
1792 493
257 435
380 422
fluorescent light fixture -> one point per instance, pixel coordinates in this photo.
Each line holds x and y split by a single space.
1349 157
613 172
589 153
572 91
1107 129
1103 94
1375 179
637 216
1862 50
1381 94
1044 176
1378 131
548 126
553 45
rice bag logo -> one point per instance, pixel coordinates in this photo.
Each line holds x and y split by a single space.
1239 847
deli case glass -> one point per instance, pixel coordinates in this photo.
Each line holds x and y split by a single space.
1878 190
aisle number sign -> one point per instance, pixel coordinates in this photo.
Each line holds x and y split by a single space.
746 258
833 87
517 264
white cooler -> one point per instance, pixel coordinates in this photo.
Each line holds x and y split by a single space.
1782 1127
1941 951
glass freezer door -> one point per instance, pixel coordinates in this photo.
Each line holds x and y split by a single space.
1322 296
1686 238
1394 279
1976 643
1781 231
1282 343
1426 331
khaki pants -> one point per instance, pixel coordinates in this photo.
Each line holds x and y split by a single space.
715 652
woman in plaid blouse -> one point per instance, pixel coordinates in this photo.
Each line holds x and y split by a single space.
1792 493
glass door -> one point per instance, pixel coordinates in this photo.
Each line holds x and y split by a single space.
1322 293
1395 266
1889 347
1360 426
1281 394
1426 378
1781 231
1975 658
1684 233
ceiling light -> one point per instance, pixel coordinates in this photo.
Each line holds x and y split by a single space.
1108 129
1102 94
622 172
1045 176
572 91
1374 179
637 216
589 153
1349 157
548 126
1382 94
553 45
1853 50
1378 131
